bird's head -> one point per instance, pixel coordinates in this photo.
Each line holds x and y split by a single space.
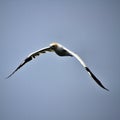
55 45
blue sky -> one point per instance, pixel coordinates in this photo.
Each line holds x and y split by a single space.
52 87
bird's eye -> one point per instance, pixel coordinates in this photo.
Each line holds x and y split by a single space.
53 46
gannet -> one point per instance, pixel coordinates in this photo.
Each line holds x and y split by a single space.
61 51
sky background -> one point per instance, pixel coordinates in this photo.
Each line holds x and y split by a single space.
52 87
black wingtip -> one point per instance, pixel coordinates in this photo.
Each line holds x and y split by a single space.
94 77
10 75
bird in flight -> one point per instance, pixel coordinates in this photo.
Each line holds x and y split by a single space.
61 51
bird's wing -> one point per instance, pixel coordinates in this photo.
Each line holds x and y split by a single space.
87 69
30 57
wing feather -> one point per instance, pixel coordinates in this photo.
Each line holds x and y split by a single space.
87 69
30 57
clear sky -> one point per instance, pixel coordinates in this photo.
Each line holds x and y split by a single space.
52 87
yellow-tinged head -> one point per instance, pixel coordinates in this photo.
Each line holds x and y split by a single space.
55 45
